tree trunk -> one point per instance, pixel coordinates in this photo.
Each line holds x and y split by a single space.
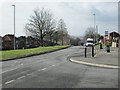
41 37
62 40
50 39
56 41
42 42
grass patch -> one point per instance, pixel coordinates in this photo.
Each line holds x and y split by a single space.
10 54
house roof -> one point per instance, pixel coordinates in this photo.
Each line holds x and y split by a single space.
8 37
114 34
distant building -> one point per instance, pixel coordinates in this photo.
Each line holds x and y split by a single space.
21 42
8 42
114 38
32 42
1 43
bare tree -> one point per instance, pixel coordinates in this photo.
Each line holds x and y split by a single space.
38 23
75 41
91 33
50 26
55 36
62 30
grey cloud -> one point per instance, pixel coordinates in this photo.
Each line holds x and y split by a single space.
76 16
107 12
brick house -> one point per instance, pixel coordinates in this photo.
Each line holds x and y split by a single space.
32 42
0 43
114 38
21 42
8 42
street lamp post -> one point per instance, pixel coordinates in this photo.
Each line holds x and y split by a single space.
97 32
26 36
94 27
14 26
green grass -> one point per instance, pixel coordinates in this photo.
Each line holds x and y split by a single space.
9 54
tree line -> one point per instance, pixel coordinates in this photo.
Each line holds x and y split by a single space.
91 32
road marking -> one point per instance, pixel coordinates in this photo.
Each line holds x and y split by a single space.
53 65
21 77
8 70
11 69
43 69
21 64
10 81
28 74
0 85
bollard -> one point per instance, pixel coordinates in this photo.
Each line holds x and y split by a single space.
85 52
92 51
108 48
101 46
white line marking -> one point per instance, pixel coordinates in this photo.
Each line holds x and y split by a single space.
10 81
43 69
8 70
28 74
53 65
21 77
0 85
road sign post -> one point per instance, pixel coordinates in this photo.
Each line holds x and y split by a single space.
92 51
85 52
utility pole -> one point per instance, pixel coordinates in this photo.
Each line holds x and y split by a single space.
97 32
14 27
94 27
26 36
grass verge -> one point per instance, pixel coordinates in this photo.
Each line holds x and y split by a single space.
13 54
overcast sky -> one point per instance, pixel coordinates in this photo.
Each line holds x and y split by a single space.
78 15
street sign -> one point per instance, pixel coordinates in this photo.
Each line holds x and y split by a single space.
106 37
106 33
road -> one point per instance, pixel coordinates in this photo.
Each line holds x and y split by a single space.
54 70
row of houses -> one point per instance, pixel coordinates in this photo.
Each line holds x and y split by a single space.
113 37
7 42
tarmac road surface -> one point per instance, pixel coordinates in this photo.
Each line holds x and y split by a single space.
54 70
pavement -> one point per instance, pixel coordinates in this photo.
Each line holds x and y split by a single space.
101 59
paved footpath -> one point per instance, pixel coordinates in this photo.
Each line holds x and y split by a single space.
101 59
